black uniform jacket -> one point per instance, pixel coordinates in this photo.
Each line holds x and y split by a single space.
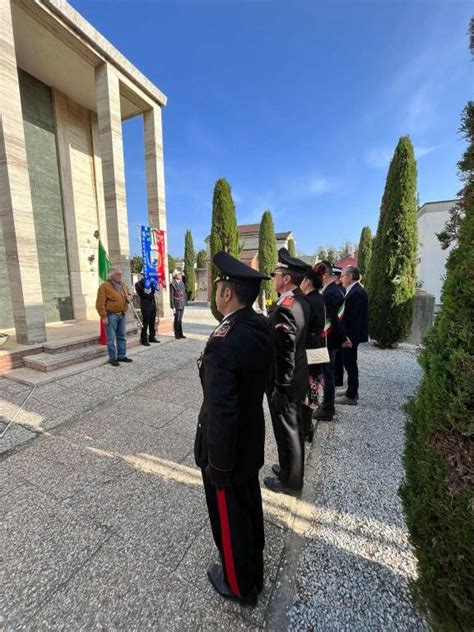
314 340
234 370
333 299
147 300
289 318
356 315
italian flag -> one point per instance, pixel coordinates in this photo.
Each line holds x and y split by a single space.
104 267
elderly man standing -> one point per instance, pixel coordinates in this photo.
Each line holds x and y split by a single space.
178 303
356 325
112 302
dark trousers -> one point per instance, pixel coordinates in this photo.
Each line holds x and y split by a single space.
289 435
237 526
339 368
350 364
327 371
148 322
178 323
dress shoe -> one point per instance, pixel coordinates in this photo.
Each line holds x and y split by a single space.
275 485
154 340
346 401
114 362
324 414
182 336
276 469
309 436
216 577
145 343
125 359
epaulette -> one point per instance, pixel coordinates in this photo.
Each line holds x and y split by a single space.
223 330
288 301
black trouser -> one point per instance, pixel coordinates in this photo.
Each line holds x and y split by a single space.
178 323
289 435
327 371
350 364
339 368
148 322
237 526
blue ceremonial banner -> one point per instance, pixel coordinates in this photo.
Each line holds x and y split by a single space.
150 258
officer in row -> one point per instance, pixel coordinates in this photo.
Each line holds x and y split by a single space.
288 385
229 445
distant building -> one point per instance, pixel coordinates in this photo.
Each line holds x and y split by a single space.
432 217
248 238
347 261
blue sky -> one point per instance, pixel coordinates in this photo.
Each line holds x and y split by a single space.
298 104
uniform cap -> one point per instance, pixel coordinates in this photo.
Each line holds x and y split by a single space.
231 269
285 260
336 270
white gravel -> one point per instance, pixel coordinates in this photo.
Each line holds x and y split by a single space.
355 573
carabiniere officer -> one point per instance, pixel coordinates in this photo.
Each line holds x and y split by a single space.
289 318
229 446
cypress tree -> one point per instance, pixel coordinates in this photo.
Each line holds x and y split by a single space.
291 247
365 251
438 458
189 258
392 273
201 259
267 256
224 231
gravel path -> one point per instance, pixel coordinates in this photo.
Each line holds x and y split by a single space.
355 573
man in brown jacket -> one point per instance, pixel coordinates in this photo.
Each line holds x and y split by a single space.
112 302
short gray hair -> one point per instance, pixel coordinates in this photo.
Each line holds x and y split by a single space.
354 272
113 270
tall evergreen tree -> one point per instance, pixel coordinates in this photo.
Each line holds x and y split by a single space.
439 446
224 231
332 254
267 256
189 259
171 264
201 259
291 247
321 253
136 264
365 251
392 273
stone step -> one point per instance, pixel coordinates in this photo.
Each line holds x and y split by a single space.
33 377
79 342
47 362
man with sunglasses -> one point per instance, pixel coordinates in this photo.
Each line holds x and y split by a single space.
289 318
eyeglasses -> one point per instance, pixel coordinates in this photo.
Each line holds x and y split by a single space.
273 274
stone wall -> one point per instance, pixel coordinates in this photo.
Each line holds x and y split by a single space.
6 315
41 150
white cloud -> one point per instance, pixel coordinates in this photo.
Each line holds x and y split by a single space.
380 157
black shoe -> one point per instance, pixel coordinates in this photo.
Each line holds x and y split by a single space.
182 336
154 340
125 359
309 436
114 362
216 577
275 485
276 469
145 343
324 414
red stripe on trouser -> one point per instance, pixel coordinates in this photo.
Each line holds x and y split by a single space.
227 543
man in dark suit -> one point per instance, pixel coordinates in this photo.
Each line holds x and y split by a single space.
148 311
338 362
229 445
289 318
334 331
356 326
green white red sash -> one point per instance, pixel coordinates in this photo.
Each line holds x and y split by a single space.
327 325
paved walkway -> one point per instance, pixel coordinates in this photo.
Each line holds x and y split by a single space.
104 521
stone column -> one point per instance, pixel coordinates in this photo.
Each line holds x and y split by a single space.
113 172
16 211
155 179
